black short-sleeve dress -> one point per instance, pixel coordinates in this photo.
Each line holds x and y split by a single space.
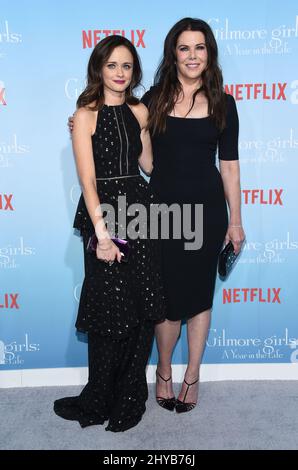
185 173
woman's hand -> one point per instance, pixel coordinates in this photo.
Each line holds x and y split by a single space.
237 236
107 251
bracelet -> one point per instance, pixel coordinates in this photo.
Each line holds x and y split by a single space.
235 226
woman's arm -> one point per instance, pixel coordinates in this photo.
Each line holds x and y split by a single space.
146 158
230 173
82 146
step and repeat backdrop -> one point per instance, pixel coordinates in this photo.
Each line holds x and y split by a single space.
44 50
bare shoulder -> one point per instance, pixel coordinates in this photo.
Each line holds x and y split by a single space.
141 113
85 117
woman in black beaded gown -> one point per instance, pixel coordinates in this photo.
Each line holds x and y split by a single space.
120 302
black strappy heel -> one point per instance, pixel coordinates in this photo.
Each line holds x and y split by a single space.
167 403
181 406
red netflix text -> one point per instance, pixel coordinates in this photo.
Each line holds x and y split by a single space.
9 301
263 196
257 91
254 294
91 37
2 99
5 202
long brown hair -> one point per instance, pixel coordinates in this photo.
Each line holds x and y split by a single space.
94 91
168 86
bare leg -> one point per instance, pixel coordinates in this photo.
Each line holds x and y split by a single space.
166 334
197 331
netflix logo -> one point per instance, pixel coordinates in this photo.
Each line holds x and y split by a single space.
9 301
255 294
5 202
255 91
91 37
263 196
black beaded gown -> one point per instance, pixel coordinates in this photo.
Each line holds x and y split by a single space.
184 172
119 304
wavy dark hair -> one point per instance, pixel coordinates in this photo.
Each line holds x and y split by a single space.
168 86
94 91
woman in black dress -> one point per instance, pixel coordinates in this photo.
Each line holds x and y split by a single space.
120 302
190 118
